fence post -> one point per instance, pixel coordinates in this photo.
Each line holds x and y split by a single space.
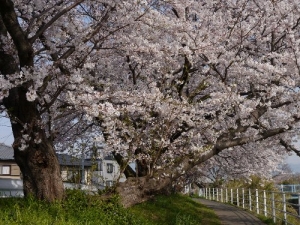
243 197
237 197
231 195
273 208
265 204
298 204
256 199
284 208
250 202
222 195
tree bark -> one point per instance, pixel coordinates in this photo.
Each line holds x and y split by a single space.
41 172
139 189
38 162
33 152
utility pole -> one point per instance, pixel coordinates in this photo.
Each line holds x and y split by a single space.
82 167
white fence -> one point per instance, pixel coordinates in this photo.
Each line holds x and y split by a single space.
11 193
14 187
282 207
289 188
11 187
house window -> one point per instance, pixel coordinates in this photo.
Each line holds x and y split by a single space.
110 167
5 170
100 166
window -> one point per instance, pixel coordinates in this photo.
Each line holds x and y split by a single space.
5 170
100 166
110 167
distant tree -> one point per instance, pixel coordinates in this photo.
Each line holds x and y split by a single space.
253 182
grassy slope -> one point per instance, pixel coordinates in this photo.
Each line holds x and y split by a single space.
175 209
88 210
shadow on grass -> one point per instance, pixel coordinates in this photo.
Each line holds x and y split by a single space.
175 210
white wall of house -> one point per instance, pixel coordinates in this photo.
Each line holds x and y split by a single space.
108 173
73 174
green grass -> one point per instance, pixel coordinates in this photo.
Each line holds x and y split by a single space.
266 220
175 210
79 208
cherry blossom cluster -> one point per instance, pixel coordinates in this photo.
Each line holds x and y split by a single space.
166 82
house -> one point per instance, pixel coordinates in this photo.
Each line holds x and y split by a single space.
10 175
106 172
71 167
74 169
8 167
100 172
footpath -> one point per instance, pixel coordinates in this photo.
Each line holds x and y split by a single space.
230 215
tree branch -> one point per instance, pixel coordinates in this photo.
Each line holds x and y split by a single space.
289 147
23 46
45 26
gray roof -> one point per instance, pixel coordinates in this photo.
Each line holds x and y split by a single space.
68 160
6 152
109 157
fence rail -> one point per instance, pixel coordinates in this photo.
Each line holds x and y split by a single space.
11 193
17 191
282 207
295 188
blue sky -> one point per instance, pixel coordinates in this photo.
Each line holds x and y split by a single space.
6 137
294 162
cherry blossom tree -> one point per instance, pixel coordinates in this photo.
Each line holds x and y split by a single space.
169 84
228 166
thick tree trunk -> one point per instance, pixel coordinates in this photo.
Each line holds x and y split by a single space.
36 158
41 171
139 189
33 152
